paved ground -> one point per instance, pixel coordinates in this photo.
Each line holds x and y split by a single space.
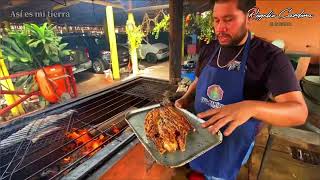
88 82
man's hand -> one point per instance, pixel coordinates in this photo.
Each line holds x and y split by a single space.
234 114
183 102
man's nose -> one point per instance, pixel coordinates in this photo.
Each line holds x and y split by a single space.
221 27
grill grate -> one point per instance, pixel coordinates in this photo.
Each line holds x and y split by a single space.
148 89
40 159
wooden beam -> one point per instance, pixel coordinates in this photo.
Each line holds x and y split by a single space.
69 3
97 2
132 49
175 39
8 85
150 8
103 3
112 43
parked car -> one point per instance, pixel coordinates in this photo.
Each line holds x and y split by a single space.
152 52
92 52
81 59
151 49
105 61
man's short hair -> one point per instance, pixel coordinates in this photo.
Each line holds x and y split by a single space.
243 5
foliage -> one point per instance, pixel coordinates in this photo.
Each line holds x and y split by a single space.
196 23
30 48
135 34
205 26
34 46
163 25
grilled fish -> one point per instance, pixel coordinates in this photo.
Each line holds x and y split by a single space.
167 128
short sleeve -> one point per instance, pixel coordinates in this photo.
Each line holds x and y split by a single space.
281 78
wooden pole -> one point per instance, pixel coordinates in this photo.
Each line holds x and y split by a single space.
133 50
113 43
182 42
175 39
8 85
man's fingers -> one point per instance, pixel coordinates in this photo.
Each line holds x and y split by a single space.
178 103
219 124
210 112
232 126
212 120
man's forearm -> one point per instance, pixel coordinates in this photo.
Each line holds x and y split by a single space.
280 113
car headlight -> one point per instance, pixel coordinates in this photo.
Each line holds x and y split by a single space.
105 57
161 51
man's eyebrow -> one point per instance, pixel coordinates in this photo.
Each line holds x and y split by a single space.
226 16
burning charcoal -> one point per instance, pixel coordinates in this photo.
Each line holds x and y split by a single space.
83 137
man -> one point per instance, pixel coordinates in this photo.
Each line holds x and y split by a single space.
235 74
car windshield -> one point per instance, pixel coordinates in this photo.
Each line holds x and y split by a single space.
102 43
163 38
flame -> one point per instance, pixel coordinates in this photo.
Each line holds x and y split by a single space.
80 137
67 159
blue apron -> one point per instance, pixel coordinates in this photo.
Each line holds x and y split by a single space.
217 87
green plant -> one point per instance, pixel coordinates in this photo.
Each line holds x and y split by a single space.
205 26
30 48
163 25
34 46
196 23
135 35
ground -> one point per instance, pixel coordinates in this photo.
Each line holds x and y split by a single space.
88 82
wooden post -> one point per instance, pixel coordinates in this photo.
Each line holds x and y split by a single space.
112 43
182 43
175 39
133 50
8 85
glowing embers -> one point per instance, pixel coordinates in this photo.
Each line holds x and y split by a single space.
89 144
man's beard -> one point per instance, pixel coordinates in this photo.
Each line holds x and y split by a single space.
235 40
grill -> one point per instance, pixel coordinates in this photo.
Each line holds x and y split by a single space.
51 149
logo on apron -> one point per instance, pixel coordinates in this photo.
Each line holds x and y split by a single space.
214 92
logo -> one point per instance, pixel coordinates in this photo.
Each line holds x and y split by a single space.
287 13
214 92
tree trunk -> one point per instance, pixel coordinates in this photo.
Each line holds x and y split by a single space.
175 39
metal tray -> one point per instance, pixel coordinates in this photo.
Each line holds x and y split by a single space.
198 142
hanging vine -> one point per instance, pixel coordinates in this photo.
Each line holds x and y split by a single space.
163 25
196 23
135 35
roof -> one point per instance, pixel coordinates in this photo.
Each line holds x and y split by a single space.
81 12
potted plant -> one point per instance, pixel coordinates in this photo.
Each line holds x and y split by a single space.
38 47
